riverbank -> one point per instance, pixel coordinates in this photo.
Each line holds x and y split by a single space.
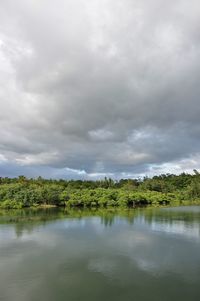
159 191
10 205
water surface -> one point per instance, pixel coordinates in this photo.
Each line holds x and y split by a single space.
143 254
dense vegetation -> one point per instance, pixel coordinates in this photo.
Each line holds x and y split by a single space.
160 190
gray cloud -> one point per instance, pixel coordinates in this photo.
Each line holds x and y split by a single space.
99 87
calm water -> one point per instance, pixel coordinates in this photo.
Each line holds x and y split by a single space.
144 254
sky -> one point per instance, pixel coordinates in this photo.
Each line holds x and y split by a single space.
99 88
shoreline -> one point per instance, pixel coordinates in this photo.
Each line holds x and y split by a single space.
80 207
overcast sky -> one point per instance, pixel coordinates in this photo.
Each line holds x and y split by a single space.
90 88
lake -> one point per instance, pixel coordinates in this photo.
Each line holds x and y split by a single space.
138 254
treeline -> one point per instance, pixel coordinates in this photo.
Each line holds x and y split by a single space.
160 190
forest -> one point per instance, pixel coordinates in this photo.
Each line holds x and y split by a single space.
165 189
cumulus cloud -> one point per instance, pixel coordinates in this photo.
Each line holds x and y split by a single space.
97 87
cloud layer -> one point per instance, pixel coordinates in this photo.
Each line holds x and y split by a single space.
99 87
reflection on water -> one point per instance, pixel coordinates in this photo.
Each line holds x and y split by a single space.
191 230
144 254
